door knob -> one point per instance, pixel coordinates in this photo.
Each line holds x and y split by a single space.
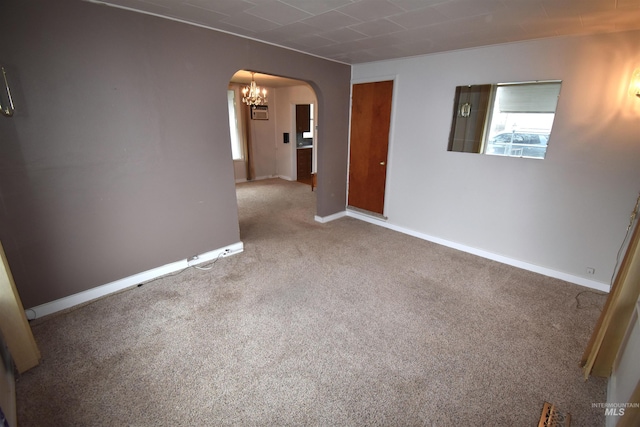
382 163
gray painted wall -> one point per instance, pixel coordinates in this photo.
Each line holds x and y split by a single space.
564 213
117 160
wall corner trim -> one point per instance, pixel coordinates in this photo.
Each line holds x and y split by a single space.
333 217
128 282
592 284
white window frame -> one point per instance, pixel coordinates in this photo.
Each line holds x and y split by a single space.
237 142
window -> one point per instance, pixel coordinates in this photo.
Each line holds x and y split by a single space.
504 119
521 118
310 133
234 127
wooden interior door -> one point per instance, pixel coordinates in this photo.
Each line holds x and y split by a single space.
370 124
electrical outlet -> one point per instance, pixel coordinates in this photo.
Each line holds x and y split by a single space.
591 270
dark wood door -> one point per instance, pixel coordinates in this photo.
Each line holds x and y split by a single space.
303 163
370 123
303 118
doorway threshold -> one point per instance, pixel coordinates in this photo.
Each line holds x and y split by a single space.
367 213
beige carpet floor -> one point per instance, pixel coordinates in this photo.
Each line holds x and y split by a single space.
337 324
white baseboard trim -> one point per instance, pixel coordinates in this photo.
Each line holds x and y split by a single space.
127 282
592 284
262 177
333 217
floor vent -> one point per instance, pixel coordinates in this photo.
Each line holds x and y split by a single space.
552 417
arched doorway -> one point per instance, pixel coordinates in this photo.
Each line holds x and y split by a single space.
270 145
267 144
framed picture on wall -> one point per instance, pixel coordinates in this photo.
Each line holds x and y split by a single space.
260 112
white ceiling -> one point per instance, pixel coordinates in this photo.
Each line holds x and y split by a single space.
357 31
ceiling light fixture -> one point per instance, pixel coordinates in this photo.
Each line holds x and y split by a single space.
252 95
634 86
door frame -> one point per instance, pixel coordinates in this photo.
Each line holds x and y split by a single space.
390 146
292 135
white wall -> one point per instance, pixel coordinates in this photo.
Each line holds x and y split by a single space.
288 97
240 170
564 213
263 141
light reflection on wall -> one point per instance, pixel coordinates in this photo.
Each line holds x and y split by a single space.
629 82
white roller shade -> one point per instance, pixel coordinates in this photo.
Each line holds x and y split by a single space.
529 97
